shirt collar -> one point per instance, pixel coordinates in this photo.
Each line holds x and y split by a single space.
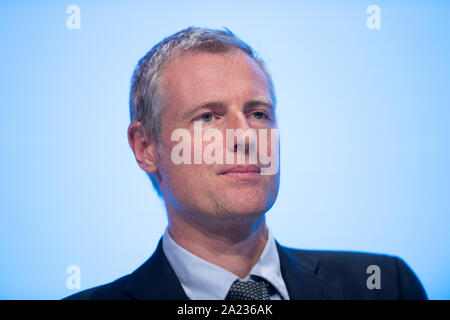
202 280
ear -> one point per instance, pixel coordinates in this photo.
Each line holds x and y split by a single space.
144 148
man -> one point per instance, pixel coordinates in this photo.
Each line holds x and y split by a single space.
187 94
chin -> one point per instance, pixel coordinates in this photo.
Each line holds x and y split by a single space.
241 203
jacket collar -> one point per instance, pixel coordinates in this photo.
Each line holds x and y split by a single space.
300 273
156 280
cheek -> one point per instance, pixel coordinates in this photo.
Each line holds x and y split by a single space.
183 182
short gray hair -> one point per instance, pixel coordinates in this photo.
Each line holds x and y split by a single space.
144 83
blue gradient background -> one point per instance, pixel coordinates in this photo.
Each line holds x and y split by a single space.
364 119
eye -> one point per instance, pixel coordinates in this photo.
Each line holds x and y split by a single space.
260 115
207 117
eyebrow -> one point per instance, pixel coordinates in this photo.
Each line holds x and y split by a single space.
220 105
205 105
258 102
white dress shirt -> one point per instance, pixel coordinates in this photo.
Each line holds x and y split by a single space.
202 280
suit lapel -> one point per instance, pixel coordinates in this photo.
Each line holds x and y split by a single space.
155 279
300 274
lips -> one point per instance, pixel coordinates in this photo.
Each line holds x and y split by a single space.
242 171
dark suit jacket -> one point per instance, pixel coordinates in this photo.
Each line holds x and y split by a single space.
307 274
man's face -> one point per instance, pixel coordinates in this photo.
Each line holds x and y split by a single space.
220 91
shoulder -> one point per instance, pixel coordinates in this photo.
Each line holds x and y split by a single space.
343 260
153 280
111 291
353 270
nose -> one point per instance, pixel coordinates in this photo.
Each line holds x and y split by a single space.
237 120
240 137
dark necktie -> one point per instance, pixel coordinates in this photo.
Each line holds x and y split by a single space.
249 290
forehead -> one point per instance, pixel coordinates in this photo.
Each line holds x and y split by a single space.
197 77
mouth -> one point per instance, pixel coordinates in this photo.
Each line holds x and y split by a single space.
242 172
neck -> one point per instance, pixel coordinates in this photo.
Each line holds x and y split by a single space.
232 245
